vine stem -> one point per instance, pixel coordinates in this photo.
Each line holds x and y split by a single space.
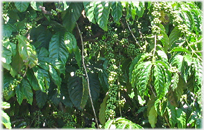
132 34
87 77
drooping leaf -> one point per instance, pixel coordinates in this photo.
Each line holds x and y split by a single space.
19 94
159 82
32 80
75 90
41 98
89 10
181 118
6 58
57 48
140 77
85 93
42 77
72 15
116 11
174 35
172 115
21 6
55 77
102 11
27 91
152 117
27 51
174 81
94 86
102 112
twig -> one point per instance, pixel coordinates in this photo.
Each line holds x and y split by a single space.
87 77
133 34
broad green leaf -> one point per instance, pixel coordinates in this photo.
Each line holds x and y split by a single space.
159 82
116 11
21 6
42 77
94 86
5 120
102 110
27 91
41 98
35 5
152 117
7 30
57 48
65 96
103 78
174 81
140 77
7 79
174 35
32 80
27 51
72 15
55 76
172 115
19 94
89 10
102 11
77 54
75 90
70 42
85 93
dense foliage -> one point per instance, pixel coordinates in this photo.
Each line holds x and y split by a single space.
102 64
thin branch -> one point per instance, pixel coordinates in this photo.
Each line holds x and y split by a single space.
132 34
87 77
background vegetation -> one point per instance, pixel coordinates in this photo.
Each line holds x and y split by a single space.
102 64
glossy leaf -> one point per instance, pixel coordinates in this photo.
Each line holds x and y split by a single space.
102 10
152 117
57 48
174 35
116 11
7 30
89 10
22 6
55 76
27 91
85 93
72 15
19 94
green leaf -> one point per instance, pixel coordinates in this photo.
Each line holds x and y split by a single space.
89 10
85 93
19 94
152 117
72 15
159 82
141 76
94 86
174 81
5 105
116 12
7 30
55 76
41 98
102 11
21 6
27 51
174 35
108 124
6 58
32 79
180 49
27 91
57 48
75 90
172 115
35 5
5 120
181 118
42 77
102 110
163 56
103 78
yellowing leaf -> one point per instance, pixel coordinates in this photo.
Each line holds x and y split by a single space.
152 117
